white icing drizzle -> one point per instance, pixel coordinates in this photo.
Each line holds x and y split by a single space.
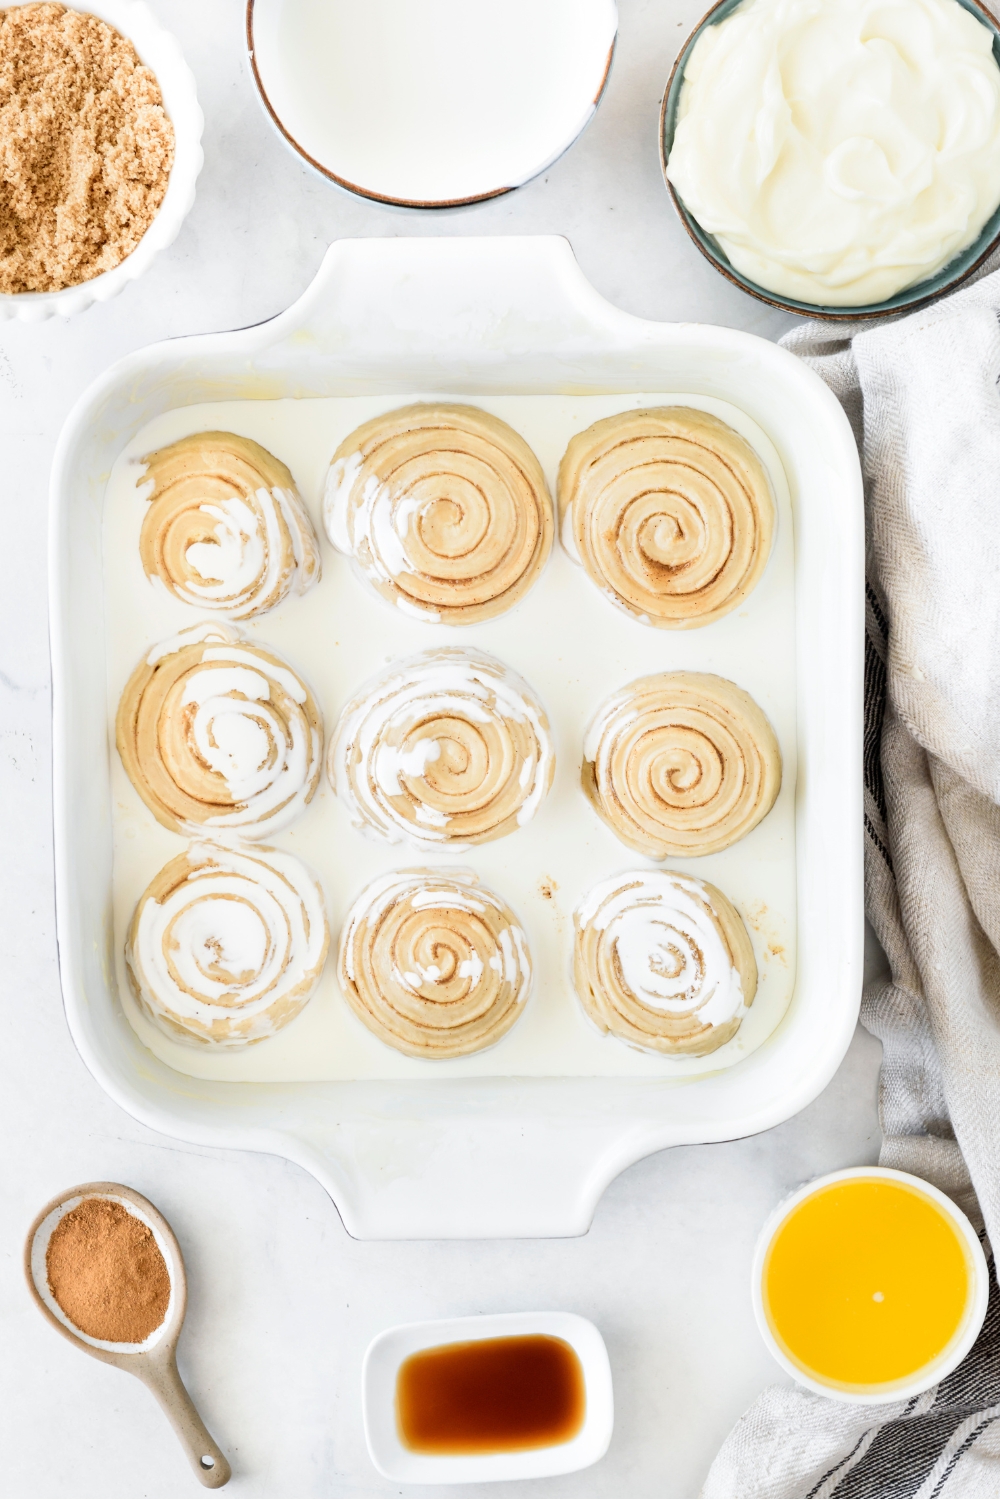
234 950
432 616
207 630
403 724
267 759
336 494
668 951
244 562
567 536
284 675
385 890
450 890
377 521
443 510
225 528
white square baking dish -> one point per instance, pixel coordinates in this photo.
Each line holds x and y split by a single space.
488 1155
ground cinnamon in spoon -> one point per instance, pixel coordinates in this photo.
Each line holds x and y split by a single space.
86 148
107 1273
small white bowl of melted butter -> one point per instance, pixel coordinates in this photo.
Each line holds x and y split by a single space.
839 158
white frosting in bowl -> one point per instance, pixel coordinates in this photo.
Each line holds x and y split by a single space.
840 150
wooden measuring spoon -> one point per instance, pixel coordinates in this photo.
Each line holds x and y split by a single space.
153 1362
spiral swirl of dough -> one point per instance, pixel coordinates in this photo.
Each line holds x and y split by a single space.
226 945
219 735
670 512
663 961
444 510
433 963
449 747
681 763
226 528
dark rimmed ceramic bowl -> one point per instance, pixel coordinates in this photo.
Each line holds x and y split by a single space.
384 180
919 295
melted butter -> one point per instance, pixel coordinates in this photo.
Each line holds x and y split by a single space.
866 1283
490 1396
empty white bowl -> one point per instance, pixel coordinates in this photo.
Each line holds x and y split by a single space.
381 1367
160 52
431 103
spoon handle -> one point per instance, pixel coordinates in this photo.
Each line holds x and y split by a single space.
206 1457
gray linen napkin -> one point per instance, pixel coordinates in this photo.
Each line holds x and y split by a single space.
923 395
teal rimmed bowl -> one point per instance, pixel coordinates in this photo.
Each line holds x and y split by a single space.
922 292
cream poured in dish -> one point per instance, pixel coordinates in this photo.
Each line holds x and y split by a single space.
564 641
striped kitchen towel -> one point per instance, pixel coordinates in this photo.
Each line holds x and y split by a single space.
923 395
946 1442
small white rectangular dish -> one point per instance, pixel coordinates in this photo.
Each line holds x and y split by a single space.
409 1153
395 1461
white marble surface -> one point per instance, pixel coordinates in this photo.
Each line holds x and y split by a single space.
282 1302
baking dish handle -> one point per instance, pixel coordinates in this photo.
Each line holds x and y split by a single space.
487 300
474 1158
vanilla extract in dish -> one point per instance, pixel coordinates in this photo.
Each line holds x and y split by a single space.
491 1396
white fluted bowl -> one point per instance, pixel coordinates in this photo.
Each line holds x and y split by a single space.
160 52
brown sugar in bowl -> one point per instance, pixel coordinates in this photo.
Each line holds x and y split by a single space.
159 52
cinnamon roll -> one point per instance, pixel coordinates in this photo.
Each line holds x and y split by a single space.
227 944
220 735
681 763
433 963
670 512
226 528
444 510
663 961
448 747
